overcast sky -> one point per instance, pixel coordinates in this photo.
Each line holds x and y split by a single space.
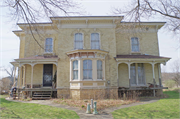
9 42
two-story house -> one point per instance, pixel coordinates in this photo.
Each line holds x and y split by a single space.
89 56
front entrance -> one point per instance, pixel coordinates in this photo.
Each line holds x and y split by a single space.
47 75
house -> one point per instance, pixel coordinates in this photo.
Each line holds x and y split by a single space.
89 56
6 84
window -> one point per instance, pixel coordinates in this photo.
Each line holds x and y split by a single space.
49 45
75 70
137 74
78 41
99 69
87 69
134 44
95 41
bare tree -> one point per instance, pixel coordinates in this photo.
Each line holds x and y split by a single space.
176 70
31 11
139 9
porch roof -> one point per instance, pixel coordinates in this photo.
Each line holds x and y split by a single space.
142 58
38 59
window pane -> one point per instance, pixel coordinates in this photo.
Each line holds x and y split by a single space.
87 69
75 74
84 74
75 64
135 44
78 42
48 45
141 78
95 41
133 74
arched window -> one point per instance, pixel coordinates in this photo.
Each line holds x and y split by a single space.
49 45
99 69
134 44
95 41
87 69
78 41
75 70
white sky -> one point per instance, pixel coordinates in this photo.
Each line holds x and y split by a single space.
9 42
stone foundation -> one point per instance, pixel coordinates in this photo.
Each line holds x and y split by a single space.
63 93
94 93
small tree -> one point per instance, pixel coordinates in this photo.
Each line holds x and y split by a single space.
169 10
176 70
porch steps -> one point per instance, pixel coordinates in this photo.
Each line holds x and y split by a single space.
42 95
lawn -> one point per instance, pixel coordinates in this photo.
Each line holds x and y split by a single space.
164 108
9 109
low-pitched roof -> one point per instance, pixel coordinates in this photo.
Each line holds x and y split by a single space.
142 56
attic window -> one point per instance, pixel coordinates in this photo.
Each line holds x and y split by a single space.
49 45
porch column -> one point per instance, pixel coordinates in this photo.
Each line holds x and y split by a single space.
159 70
129 73
19 79
32 67
117 74
24 76
14 76
153 78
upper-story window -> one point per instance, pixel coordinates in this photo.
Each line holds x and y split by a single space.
49 45
134 44
75 69
99 69
78 41
95 43
87 69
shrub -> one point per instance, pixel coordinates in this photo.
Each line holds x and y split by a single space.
170 83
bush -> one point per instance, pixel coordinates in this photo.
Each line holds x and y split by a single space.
170 83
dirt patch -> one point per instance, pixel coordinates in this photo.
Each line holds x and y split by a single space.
101 104
2 108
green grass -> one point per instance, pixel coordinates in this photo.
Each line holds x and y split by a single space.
170 83
9 109
164 108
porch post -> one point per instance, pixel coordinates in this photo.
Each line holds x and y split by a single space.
153 78
129 73
32 67
19 79
14 75
117 74
24 76
159 70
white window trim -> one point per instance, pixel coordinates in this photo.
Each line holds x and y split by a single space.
82 39
131 45
52 45
75 70
97 69
99 40
136 68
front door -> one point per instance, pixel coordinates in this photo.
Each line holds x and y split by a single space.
47 75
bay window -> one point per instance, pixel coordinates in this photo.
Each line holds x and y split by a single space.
99 69
87 69
75 70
